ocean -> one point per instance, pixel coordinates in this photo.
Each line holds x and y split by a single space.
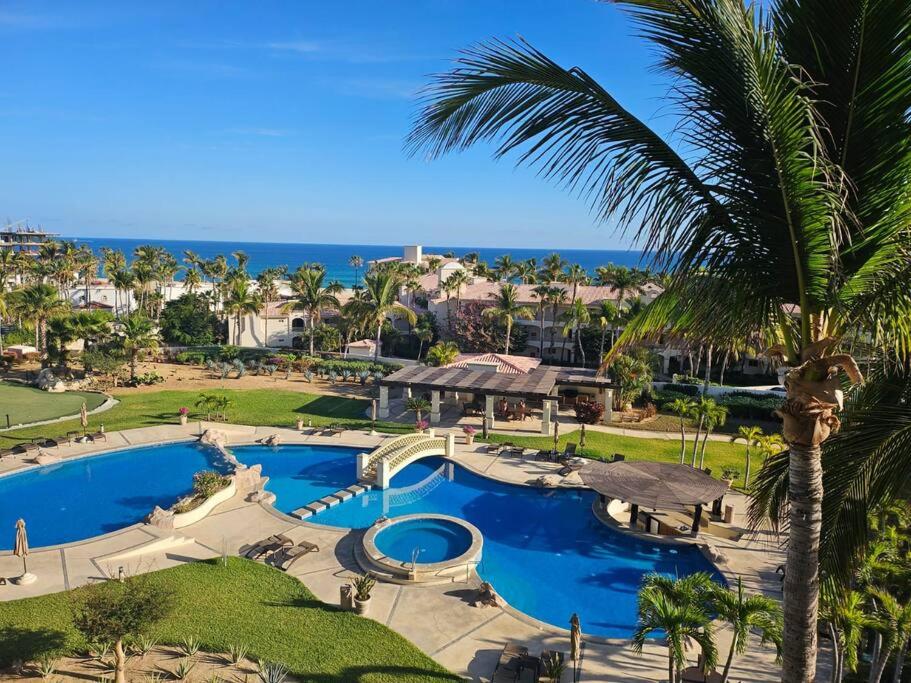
335 257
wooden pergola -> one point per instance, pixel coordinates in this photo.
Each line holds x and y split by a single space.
654 485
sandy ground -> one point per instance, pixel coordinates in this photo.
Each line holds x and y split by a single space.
162 661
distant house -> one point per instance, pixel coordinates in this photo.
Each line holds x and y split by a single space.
498 362
362 348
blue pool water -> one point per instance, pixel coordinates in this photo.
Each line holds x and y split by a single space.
544 551
87 497
436 540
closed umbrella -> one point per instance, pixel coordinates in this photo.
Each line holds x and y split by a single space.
556 435
84 417
373 416
575 644
20 549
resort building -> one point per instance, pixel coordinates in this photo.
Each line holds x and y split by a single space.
24 239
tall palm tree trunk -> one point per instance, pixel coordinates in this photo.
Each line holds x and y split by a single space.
671 669
682 440
376 350
801 582
878 666
508 333
727 664
696 440
708 370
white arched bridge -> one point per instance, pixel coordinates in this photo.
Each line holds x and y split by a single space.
380 465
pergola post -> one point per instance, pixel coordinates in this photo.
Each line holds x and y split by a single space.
435 407
545 418
384 401
633 515
607 400
488 411
696 519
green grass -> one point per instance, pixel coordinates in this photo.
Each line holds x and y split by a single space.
275 615
718 454
27 404
252 407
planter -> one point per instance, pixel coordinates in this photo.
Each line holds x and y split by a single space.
361 607
300 425
469 439
183 419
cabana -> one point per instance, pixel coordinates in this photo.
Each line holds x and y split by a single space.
654 485
538 384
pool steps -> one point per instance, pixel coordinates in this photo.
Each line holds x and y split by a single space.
327 502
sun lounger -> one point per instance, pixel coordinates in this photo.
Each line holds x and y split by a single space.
26 447
518 451
332 430
494 447
285 558
6 452
47 442
570 451
268 545
570 466
97 436
510 663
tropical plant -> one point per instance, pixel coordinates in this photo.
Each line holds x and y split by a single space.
750 435
379 301
271 672
241 301
892 619
442 353
37 302
846 618
631 375
136 337
237 653
702 411
357 263
791 191
425 336
363 586
607 316
313 296
418 406
676 609
745 614
574 318
683 408
506 309
715 417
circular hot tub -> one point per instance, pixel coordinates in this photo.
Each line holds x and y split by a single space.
423 547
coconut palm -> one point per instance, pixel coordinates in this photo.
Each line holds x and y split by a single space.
678 610
442 353
527 271
379 302
357 263
241 301
575 275
267 289
556 298
454 285
791 190
313 296
504 267
192 281
37 303
137 336
574 318
625 281
745 614
506 309
122 281
552 267
750 435
683 408
715 417
608 314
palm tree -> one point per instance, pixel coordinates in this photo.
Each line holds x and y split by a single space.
418 406
893 621
552 267
746 613
556 298
442 353
846 618
715 417
791 191
541 293
608 314
507 310
312 296
625 280
454 283
122 280
575 317
424 335
379 301
750 435
678 609
241 301
701 412
357 263
504 267
37 303
192 281
683 407
137 336
575 275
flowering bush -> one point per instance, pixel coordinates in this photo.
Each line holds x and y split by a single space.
183 411
469 430
588 412
421 425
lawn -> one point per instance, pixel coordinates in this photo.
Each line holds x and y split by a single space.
253 407
718 454
241 603
24 404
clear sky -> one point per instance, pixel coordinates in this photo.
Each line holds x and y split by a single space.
282 121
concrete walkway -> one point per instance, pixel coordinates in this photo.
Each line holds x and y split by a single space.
438 619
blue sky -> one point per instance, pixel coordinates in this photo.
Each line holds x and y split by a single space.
282 121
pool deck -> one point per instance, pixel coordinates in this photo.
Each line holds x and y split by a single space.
439 619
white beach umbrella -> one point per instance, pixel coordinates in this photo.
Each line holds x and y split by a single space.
20 549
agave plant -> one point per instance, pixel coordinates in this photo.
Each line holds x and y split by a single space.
308 376
47 667
189 646
237 653
183 669
144 645
270 672
363 376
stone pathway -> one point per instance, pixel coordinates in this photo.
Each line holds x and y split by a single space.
438 619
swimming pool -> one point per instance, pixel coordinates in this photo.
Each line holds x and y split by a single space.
435 540
86 497
544 551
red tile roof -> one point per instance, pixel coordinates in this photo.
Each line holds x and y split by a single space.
510 365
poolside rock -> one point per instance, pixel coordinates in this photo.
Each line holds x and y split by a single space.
262 496
271 440
163 519
716 555
250 479
573 479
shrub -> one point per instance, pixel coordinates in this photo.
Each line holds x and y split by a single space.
192 357
686 389
188 320
588 412
207 483
750 407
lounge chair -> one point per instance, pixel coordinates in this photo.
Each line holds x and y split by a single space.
518 451
6 452
509 664
570 466
97 436
570 451
494 447
618 457
26 447
332 430
286 557
268 545
47 442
